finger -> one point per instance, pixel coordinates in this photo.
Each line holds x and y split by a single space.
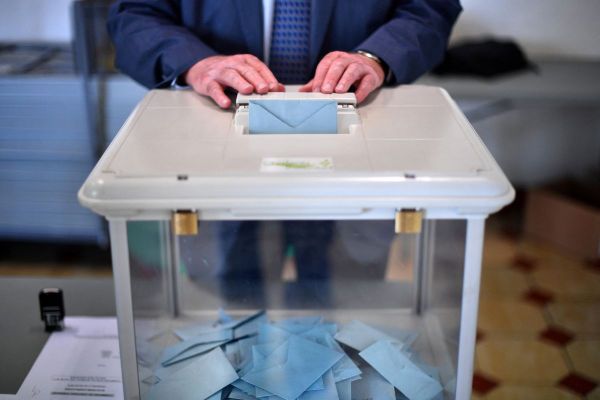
354 73
216 92
336 70
365 87
307 87
252 76
264 71
231 78
322 69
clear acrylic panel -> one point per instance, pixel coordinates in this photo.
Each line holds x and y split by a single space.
405 286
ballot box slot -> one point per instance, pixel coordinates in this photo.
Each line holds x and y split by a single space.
306 114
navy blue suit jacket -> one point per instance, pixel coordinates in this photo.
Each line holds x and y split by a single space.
158 40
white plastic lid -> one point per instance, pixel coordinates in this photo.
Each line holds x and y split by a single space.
411 148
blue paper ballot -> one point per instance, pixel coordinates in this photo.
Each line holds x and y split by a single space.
329 391
192 352
299 324
306 361
250 326
345 368
239 353
204 377
224 324
359 336
319 330
245 387
235 323
344 389
396 368
269 333
317 387
216 396
238 394
292 116
268 354
163 372
372 386
428 369
200 343
193 331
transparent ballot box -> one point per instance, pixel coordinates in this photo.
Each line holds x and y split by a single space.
297 247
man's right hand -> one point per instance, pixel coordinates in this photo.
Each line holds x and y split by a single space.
244 73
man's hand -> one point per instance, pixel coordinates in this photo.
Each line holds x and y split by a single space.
244 73
339 70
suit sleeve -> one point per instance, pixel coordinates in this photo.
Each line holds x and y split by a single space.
151 44
415 39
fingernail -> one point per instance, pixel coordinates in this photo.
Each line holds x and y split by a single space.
224 103
339 87
327 87
272 86
316 89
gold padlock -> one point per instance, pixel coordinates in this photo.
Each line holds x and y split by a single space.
408 221
185 222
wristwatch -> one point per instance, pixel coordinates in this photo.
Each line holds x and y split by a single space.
387 74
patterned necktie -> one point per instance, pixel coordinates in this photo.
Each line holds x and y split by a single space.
289 41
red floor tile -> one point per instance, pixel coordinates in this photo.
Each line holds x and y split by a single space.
539 297
577 384
524 263
483 384
557 336
480 335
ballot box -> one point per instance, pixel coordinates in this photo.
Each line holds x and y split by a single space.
297 246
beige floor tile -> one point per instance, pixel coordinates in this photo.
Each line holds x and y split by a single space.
509 316
546 254
498 251
585 355
507 392
594 395
580 317
521 362
503 283
569 283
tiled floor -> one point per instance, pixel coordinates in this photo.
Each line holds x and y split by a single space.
539 319
539 323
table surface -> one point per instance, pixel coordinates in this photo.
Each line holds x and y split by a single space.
22 334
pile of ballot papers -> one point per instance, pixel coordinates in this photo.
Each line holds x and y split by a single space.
304 358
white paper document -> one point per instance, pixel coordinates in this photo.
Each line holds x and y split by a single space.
80 362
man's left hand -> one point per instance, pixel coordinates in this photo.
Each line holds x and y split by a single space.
339 70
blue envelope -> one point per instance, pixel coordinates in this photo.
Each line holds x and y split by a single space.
387 359
201 379
292 368
359 336
292 116
372 386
